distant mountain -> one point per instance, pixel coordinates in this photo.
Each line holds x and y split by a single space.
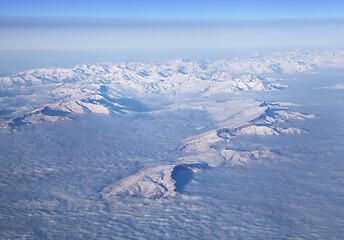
57 93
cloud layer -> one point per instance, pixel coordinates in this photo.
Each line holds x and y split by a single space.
132 23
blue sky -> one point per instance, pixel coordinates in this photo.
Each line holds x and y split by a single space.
176 9
131 24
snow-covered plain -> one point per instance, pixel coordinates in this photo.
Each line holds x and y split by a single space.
211 149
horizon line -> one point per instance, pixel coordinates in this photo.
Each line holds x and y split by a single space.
154 23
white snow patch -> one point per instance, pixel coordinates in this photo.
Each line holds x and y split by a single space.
337 86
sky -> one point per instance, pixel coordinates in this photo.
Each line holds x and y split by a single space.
178 24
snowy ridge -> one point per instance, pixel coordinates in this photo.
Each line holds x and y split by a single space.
291 62
257 120
245 157
68 101
167 76
149 183
173 77
210 149
44 114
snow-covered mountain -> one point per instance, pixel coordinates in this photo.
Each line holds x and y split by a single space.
211 149
108 90
52 94
171 75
